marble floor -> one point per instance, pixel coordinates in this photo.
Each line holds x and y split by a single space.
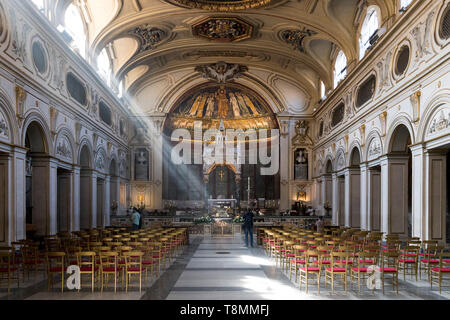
222 269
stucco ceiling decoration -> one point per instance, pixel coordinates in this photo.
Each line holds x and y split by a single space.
222 5
221 72
251 56
149 36
223 29
165 32
296 38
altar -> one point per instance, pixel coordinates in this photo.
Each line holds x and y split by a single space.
221 208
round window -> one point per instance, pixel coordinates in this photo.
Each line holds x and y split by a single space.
39 58
402 60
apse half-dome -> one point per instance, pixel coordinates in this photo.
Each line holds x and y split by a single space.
222 5
237 106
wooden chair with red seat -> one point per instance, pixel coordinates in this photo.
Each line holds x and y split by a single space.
389 266
55 266
359 271
287 254
8 267
109 266
325 254
408 262
52 243
122 250
165 250
279 249
115 246
442 272
147 261
429 258
157 254
133 266
86 261
338 267
31 259
71 255
312 266
298 260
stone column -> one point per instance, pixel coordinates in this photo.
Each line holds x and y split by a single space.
363 196
335 204
285 202
17 194
75 220
419 180
157 156
107 202
341 199
323 191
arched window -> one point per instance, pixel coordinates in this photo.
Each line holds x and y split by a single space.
74 25
404 4
322 90
369 26
104 66
340 68
120 92
39 4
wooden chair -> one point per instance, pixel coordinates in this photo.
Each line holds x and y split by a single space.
147 261
312 267
133 266
109 266
389 266
408 261
339 267
8 268
299 259
31 259
55 266
360 271
86 262
441 273
430 258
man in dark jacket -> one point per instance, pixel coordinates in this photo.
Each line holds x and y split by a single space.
248 227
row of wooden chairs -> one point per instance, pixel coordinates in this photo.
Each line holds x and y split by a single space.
105 254
305 253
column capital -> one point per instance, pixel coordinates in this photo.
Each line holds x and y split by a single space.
417 148
351 169
364 166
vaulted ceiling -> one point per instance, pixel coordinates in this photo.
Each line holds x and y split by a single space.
293 42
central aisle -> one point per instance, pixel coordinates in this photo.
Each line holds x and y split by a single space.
224 269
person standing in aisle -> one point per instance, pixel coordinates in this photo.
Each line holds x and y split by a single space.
248 227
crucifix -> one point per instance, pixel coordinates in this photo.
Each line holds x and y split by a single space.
221 174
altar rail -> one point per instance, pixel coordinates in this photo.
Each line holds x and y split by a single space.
188 221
